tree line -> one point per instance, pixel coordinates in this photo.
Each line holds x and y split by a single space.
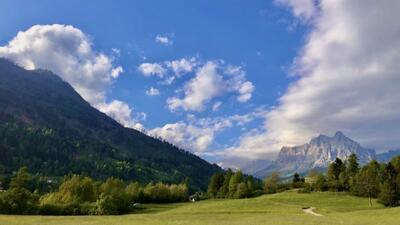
373 180
81 195
233 185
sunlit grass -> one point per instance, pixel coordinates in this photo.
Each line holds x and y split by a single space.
277 209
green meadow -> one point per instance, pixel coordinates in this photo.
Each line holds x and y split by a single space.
282 208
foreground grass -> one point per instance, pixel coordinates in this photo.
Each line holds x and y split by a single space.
278 209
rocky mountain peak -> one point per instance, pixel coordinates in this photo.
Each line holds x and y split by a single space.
319 153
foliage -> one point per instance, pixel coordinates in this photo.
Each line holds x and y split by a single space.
80 195
233 185
271 183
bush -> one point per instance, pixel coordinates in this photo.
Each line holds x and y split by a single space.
18 201
306 189
257 193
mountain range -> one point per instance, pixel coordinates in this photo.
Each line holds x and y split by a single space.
48 127
318 154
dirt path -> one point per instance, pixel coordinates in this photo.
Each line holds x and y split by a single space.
310 210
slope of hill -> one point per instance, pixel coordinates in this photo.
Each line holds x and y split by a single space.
317 154
46 126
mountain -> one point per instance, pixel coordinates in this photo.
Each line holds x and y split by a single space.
48 127
255 165
317 154
387 156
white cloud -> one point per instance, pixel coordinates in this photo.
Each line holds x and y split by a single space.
116 51
122 113
149 69
212 80
348 79
181 66
173 68
304 9
187 136
152 92
165 40
200 90
216 106
69 53
116 72
198 134
246 89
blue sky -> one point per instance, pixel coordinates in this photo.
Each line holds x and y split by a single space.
250 35
261 39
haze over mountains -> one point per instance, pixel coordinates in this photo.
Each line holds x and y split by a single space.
48 127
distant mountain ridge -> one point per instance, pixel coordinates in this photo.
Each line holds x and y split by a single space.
48 127
317 154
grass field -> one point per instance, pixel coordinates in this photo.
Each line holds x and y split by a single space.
277 209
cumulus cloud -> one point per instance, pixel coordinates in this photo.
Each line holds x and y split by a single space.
69 53
122 113
152 92
163 39
169 70
246 89
116 72
212 80
349 79
198 134
181 66
150 69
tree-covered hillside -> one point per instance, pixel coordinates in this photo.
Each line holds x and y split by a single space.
46 126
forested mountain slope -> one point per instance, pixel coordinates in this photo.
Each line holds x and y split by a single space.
46 126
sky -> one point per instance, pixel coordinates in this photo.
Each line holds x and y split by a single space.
231 81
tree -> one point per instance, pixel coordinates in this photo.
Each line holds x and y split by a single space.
334 171
224 190
235 180
113 198
352 167
21 179
241 191
18 199
389 195
271 183
135 192
77 189
321 183
112 186
368 180
216 182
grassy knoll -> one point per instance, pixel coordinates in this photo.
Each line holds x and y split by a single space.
282 208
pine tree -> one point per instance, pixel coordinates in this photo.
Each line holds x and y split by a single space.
216 182
388 190
235 180
334 170
352 167
224 190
